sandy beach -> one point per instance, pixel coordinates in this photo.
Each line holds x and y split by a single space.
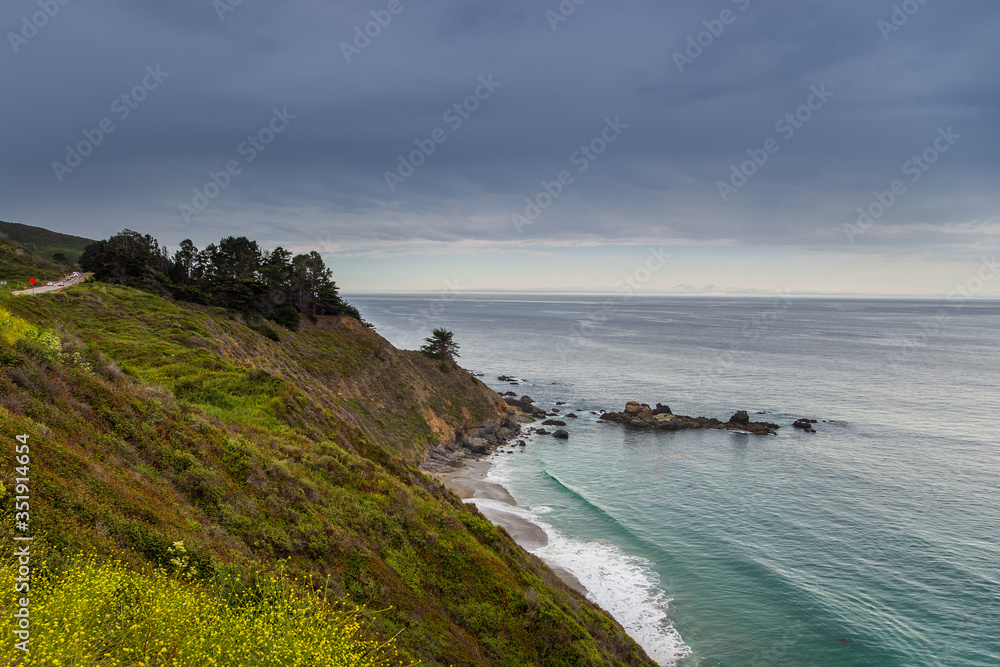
470 483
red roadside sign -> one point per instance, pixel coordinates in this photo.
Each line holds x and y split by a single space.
32 281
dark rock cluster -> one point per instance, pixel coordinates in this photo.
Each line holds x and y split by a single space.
526 406
805 424
640 415
481 441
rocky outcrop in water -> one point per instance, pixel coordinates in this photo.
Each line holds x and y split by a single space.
805 424
741 418
640 415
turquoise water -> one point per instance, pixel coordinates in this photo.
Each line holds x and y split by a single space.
875 541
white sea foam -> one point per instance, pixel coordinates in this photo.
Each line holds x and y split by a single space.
500 507
499 472
624 585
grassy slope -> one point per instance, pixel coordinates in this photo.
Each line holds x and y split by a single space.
173 422
43 242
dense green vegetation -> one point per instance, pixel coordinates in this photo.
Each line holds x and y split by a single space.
234 274
154 421
63 249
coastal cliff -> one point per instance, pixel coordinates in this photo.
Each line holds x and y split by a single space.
157 422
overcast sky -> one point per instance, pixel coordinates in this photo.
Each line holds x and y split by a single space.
736 138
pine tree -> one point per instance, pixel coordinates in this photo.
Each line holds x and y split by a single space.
441 345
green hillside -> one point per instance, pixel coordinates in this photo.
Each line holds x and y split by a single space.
45 243
154 421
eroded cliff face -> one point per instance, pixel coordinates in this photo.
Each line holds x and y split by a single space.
453 452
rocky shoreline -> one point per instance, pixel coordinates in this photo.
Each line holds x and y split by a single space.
477 443
494 435
640 415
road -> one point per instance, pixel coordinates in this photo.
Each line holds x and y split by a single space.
42 289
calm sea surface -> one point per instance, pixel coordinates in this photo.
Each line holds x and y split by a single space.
875 541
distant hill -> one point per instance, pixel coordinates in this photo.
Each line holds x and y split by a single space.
44 243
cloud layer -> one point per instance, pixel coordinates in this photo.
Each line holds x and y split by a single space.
721 136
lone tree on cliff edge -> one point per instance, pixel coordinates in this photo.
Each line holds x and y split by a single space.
441 345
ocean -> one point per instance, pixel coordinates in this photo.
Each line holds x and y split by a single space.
873 541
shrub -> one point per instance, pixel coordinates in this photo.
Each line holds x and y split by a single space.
37 342
9 358
269 333
264 330
180 562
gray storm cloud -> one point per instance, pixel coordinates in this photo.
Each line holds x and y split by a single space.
726 140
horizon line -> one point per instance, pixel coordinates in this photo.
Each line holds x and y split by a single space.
626 295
